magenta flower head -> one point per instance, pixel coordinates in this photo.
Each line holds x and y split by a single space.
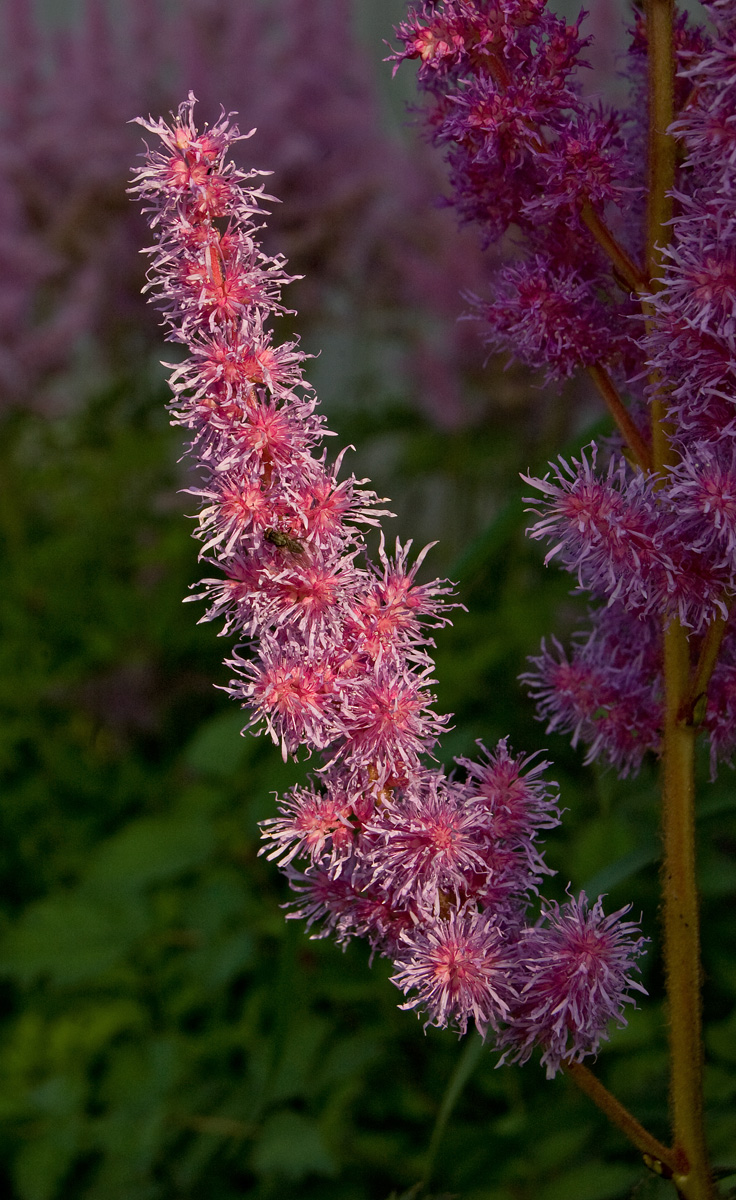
579 966
437 872
461 968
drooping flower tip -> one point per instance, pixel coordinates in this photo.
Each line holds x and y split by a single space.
192 167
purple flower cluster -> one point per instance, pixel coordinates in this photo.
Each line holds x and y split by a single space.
527 149
437 872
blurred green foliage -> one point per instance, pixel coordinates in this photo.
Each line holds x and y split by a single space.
165 1033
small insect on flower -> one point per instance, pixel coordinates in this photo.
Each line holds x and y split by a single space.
283 541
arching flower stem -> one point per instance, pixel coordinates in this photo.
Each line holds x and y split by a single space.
621 415
631 275
703 670
659 1158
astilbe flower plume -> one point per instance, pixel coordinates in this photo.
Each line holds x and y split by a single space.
438 872
527 151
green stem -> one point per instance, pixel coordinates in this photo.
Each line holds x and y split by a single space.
707 659
466 1065
681 932
680 899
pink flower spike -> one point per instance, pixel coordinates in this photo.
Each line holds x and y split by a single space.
516 801
608 531
389 721
290 693
436 873
238 508
389 615
192 166
309 594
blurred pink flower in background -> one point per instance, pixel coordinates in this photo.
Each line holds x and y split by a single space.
358 215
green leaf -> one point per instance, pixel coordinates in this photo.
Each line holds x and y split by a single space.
291 1145
721 1039
218 747
66 938
301 1057
42 1163
490 541
217 963
715 805
149 851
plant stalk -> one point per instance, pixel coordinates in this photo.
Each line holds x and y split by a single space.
692 1176
681 927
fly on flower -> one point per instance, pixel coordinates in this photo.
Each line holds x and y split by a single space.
283 541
